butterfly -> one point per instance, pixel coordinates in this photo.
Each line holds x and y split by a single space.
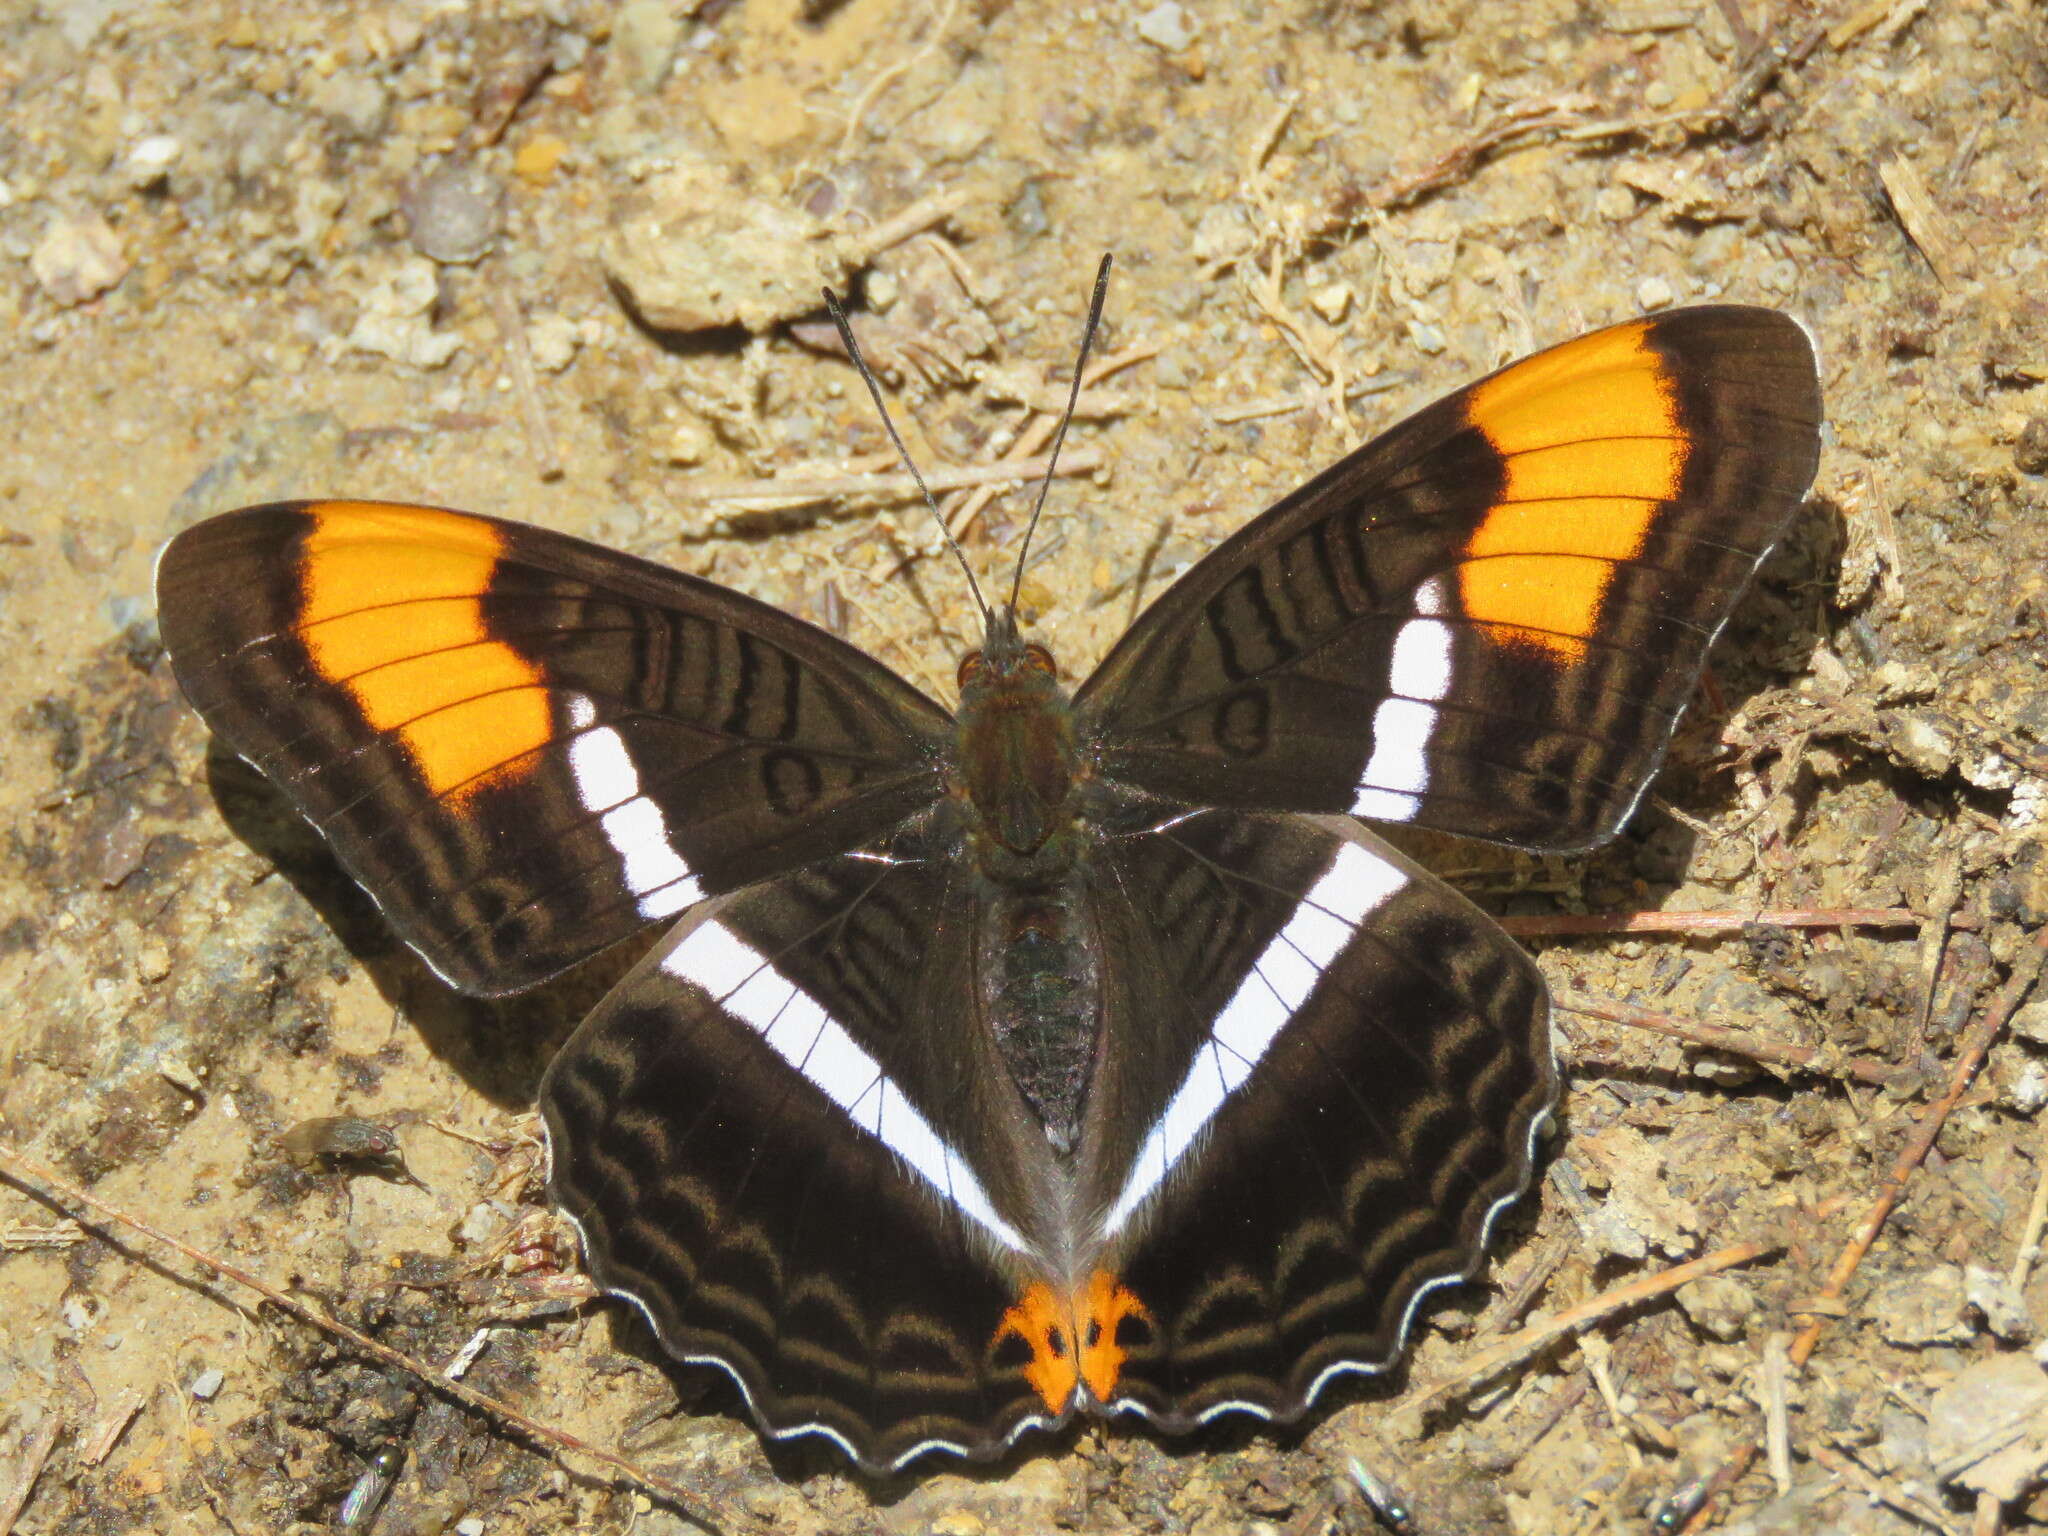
1068 1052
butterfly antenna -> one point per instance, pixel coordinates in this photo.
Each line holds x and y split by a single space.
1066 420
875 393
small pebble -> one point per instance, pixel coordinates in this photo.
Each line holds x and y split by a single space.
153 962
1331 301
1998 1302
1026 213
1426 337
2030 453
2031 1022
1166 26
2024 1090
180 1074
536 159
1971 1424
469 1525
454 212
394 319
479 1226
356 102
78 259
1654 293
645 34
553 340
207 1383
689 442
150 160
1615 203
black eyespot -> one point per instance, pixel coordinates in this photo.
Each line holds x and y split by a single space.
792 782
1244 722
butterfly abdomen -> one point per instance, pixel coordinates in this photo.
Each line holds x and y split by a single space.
1043 1001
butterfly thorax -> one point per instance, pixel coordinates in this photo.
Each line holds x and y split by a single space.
1016 760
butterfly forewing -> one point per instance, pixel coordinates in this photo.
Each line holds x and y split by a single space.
1488 620
525 746
1354 1079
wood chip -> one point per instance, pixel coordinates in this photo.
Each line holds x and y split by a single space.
1932 232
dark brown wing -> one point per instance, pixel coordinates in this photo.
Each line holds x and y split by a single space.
1322 1077
1488 620
525 746
788 1139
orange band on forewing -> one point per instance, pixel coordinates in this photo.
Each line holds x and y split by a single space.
1605 466
1591 441
392 611
1043 1319
1105 1306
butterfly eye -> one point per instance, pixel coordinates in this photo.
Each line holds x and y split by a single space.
972 668
1039 659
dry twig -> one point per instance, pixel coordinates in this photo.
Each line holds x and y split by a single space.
39 1179
1802 1058
36 1446
1575 925
1777 1389
1036 433
1975 1047
893 72
113 1424
540 436
1879 1490
763 495
1932 232
1944 891
1489 1363
2030 1239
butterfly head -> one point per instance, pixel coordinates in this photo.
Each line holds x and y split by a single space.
1017 760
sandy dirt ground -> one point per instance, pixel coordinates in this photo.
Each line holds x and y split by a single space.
559 261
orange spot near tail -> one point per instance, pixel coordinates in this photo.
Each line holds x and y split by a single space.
1104 1306
1049 1324
1044 1320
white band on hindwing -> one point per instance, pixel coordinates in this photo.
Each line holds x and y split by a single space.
791 1021
1357 882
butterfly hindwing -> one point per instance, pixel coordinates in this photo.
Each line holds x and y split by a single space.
1487 620
1319 1079
1331 1105
784 1136
526 746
